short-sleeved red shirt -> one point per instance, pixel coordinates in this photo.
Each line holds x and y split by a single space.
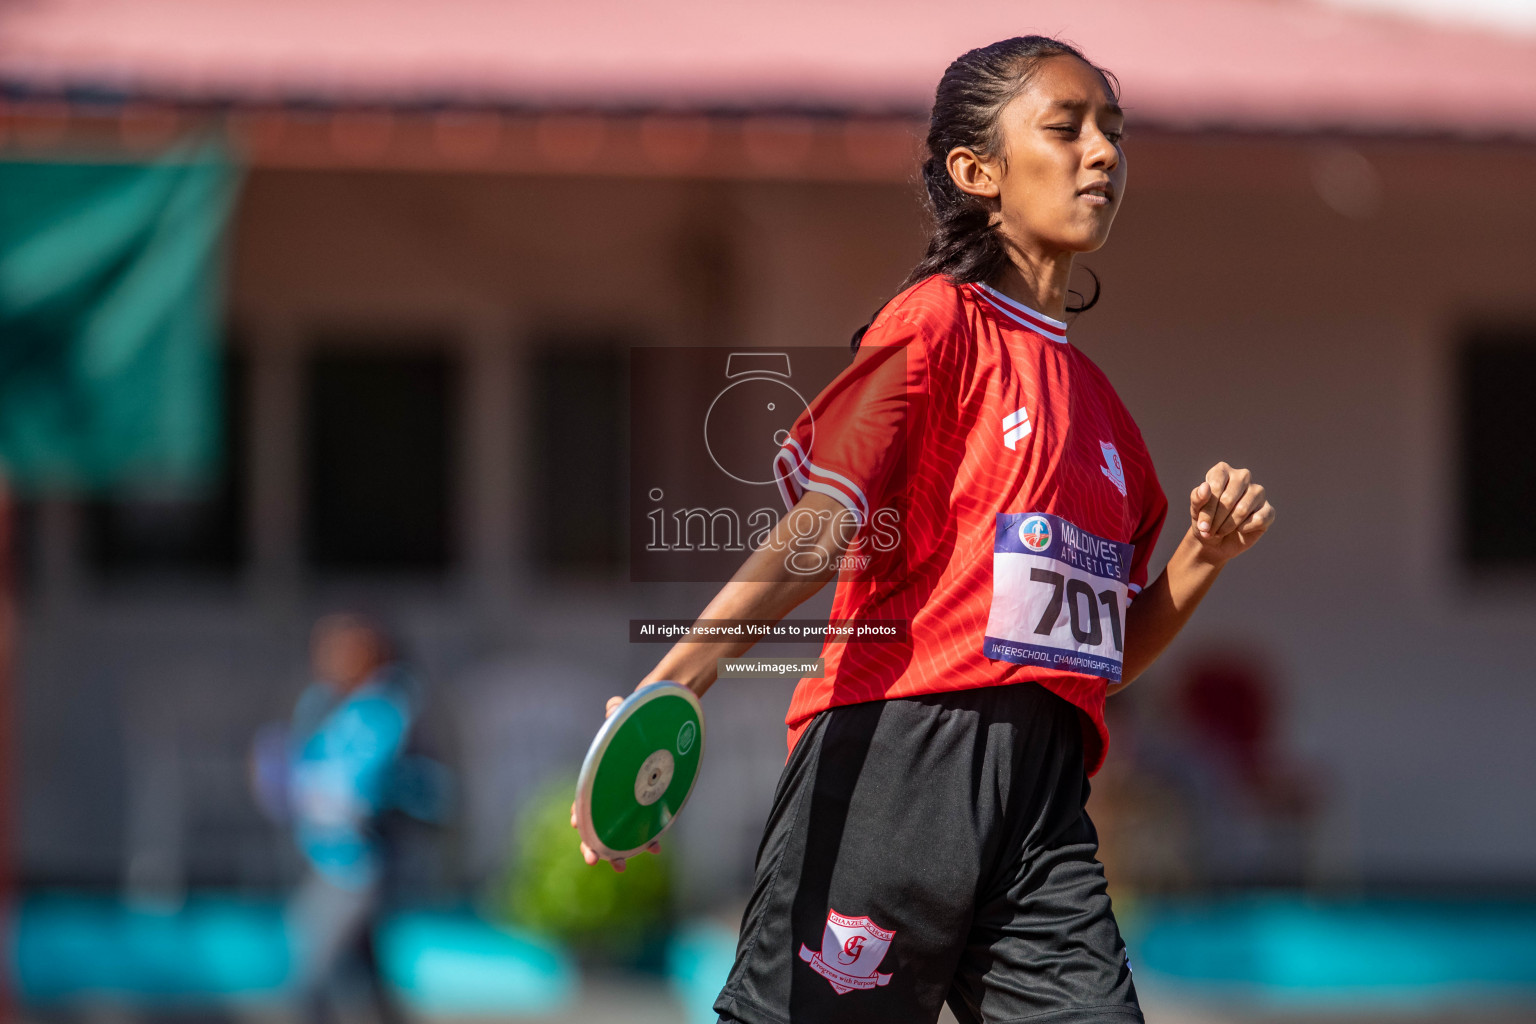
1019 494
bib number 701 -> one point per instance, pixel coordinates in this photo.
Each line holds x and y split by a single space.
1078 596
1053 586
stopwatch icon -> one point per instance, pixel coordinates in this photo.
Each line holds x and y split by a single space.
749 421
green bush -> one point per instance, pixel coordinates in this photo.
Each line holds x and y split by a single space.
549 889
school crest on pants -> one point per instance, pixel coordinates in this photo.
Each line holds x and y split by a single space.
851 949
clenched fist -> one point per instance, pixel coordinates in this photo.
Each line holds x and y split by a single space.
1228 512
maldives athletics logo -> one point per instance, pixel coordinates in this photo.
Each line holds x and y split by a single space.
1035 532
851 950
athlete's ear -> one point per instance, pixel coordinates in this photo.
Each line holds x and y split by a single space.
971 172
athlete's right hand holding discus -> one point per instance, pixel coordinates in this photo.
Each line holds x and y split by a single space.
767 586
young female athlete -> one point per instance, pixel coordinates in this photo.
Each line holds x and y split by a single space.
928 839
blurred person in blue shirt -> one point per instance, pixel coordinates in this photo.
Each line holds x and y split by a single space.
347 767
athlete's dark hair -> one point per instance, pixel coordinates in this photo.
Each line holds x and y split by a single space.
964 245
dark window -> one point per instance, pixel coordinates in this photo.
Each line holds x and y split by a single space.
577 459
182 532
1498 459
379 457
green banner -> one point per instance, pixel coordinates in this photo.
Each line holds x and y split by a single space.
111 296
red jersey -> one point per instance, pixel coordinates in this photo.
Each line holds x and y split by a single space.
1019 494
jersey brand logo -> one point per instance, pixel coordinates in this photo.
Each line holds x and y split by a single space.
1112 467
1035 532
850 955
1016 428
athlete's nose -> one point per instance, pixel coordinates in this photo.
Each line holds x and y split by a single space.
1101 154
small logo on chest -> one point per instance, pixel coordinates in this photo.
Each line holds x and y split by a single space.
1112 467
1016 427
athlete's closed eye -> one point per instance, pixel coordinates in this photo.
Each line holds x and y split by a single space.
1072 131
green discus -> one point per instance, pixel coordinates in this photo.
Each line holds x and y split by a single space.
639 770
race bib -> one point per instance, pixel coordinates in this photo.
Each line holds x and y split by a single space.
1058 596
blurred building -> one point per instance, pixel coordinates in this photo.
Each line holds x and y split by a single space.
457 218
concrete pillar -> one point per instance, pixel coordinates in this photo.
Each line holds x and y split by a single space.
274 525
490 470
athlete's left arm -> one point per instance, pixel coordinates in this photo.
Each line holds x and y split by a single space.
1228 513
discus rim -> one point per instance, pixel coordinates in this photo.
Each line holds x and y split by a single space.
600 743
